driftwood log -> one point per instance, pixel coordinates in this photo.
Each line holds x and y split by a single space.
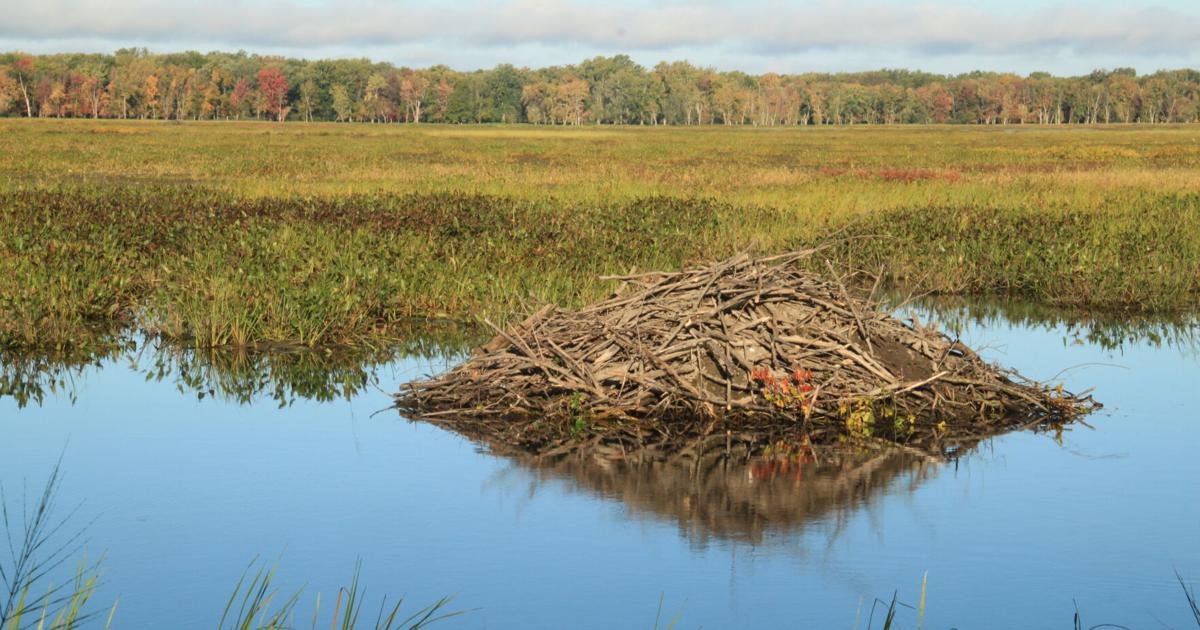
758 352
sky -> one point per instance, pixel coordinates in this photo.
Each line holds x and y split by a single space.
757 36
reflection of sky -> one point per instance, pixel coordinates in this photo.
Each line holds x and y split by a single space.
188 491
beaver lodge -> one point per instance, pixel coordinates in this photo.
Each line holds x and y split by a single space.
761 355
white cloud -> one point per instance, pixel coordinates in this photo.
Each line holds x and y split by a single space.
762 29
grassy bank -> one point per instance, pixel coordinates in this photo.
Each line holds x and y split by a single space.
236 234
213 269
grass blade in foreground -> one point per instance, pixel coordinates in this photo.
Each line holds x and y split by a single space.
44 543
256 610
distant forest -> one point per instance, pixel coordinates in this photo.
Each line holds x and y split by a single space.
135 83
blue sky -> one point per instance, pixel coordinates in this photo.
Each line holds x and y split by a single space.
756 36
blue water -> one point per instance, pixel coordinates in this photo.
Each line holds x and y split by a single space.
185 492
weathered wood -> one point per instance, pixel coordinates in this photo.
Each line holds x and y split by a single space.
744 345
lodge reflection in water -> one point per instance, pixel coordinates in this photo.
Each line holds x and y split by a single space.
729 498
711 497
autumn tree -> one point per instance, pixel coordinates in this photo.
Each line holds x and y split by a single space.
49 93
23 69
273 92
87 86
726 99
240 97
212 96
126 82
777 106
412 93
569 101
151 93
936 101
136 83
373 100
9 91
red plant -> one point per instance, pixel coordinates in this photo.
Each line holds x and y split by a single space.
784 459
906 175
794 390
909 175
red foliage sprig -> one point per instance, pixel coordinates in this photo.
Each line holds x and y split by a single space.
788 390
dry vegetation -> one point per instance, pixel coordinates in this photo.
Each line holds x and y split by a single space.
746 352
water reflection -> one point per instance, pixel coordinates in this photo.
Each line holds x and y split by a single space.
736 499
29 377
234 375
288 373
718 494
206 485
1112 331
241 376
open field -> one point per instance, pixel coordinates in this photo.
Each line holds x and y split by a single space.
239 233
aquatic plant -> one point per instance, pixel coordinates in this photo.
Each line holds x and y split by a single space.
39 543
258 605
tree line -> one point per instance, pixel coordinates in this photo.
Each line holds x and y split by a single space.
135 83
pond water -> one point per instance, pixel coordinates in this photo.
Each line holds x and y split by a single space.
191 469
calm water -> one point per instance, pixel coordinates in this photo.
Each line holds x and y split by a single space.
186 490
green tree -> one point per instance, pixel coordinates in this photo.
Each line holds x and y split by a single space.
501 95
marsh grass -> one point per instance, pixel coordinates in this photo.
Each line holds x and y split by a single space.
39 542
244 234
257 604
1189 593
673 622
1108 258
889 609
210 270
854 169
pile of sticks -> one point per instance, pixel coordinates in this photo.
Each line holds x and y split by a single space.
746 350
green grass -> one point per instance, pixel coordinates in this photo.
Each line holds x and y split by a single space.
215 234
210 269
